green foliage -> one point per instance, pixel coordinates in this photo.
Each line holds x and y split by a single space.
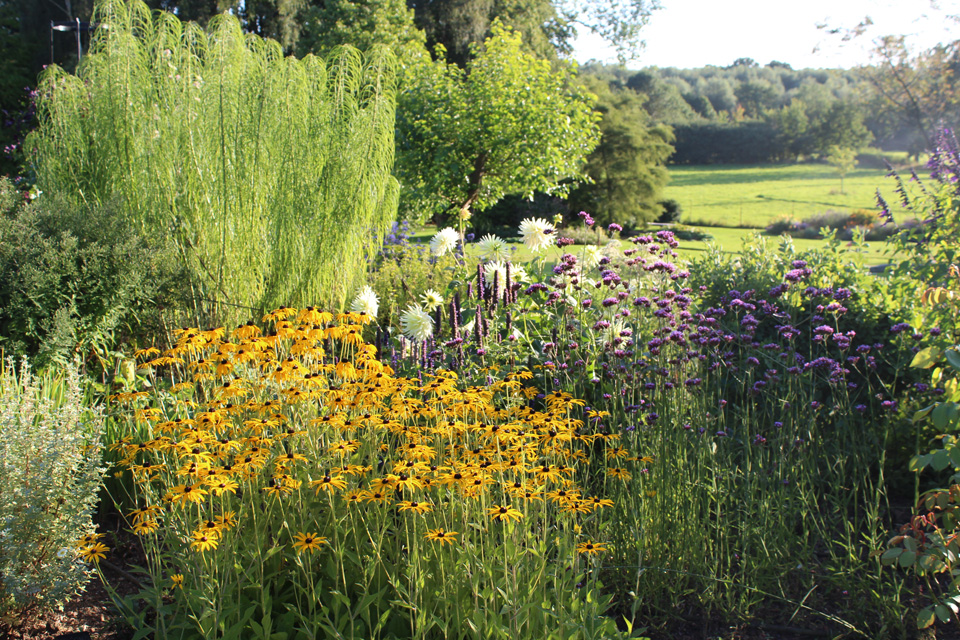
914 93
404 273
627 169
547 26
664 101
672 211
269 174
840 126
844 225
460 25
50 477
75 280
873 305
364 24
503 218
844 160
507 124
710 142
16 77
929 544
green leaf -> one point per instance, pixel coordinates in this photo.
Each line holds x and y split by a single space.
943 612
944 414
940 460
890 555
918 463
925 618
953 357
926 358
907 558
143 633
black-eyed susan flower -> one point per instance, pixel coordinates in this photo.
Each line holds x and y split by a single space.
415 507
407 482
145 526
599 503
202 542
227 520
246 331
176 581
220 485
591 548
308 542
87 540
500 513
94 552
619 472
329 483
547 472
185 493
375 496
210 528
441 536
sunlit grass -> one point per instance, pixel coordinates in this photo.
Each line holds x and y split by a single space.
756 195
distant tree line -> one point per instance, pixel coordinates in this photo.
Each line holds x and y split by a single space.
747 113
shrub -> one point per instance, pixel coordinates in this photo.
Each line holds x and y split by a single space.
402 274
267 172
75 280
928 545
690 234
844 224
671 211
581 234
49 482
504 217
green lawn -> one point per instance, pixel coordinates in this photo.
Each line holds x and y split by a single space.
754 196
734 201
731 241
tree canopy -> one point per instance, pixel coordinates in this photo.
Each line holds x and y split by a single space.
508 123
628 168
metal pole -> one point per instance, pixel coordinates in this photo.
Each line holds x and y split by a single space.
79 50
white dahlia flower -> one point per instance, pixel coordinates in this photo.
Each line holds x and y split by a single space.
537 234
444 242
493 248
366 302
431 299
416 323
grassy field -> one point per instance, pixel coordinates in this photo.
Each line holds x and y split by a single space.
755 196
732 202
731 241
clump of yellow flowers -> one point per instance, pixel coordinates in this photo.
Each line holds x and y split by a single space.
272 448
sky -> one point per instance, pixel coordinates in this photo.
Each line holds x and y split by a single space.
697 33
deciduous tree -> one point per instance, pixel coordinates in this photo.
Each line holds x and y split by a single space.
508 123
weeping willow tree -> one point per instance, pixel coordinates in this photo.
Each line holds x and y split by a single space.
269 173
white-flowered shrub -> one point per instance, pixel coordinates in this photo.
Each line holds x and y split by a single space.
50 475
